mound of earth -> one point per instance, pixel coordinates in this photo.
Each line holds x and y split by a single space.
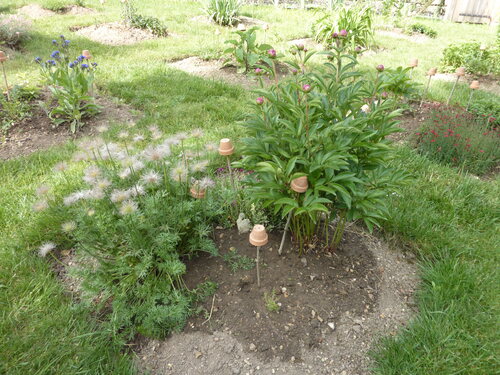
115 34
332 307
35 11
77 10
37 132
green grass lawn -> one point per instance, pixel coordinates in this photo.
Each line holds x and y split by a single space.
450 220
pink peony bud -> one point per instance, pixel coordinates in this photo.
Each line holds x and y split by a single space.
343 33
295 72
384 95
306 88
335 35
259 71
300 47
380 68
271 53
259 100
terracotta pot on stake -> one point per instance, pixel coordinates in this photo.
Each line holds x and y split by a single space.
226 149
431 73
473 86
460 72
413 64
197 192
3 58
87 55
299 185
258 237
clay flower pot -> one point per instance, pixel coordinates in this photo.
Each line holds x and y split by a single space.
299 184
86 54
226 147
413 63
3 56
474 85
258 236
197 192
460 72
432 72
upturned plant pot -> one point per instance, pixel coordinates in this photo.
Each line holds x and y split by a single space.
413 63
299 184
226 147
258 236
86 53
474 85
197 192
432 72
460 72
3 56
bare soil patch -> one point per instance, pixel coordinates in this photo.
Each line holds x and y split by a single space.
37 132
487 83
215 69
35 11
246 21
399 34
77 10
114 34
333 307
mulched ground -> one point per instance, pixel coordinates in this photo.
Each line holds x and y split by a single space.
37 132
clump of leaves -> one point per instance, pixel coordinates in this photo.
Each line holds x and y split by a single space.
330 126
223 12
18 107
399 83
71 84
237 262
271 301
247 52
14 30
356 20
420 28
455 137
476 59
486 109
139 21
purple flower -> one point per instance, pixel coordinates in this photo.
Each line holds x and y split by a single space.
62 37
295 72
380 68
85 66
271 53
72 64
335 35
94 64
54 42
343 33
300 47
55 54
66 43
358 49
38 60
51 62
80 58
306 88
385 95
259 100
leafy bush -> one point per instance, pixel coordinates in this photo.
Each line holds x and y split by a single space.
421 29
18 107
398 82
223 12
487 109
139 21
247 52
332 128
14 30
357 21
455 137
133 223
470 55
70 83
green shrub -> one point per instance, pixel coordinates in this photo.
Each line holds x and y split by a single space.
332 128
133 223
398 82
18 107
246 51
139 21
70 83
455 137
487 109
14 30
357 21
470 55
223 12
421 29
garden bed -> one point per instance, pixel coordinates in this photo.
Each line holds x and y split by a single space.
37 132
333 306
114 34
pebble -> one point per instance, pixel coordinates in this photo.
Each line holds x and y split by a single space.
198 354
252 347
304 261
331 325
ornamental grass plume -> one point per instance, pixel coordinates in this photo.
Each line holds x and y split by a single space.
40 206
118 196
179 173
42 190
68 226
199 166
128 207
151 178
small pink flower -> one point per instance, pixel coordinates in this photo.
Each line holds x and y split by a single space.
343 33
259 71
380 68
306 88
259 100
272 53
